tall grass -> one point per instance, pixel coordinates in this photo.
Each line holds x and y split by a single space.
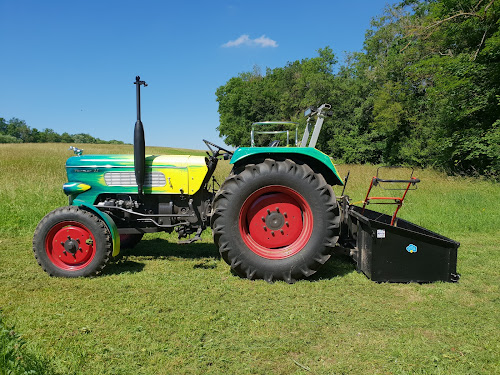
447 204
168 309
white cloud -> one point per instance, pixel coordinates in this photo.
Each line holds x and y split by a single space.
245 40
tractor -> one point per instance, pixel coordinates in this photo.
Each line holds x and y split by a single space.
275 217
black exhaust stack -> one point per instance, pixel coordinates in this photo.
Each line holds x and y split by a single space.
139 144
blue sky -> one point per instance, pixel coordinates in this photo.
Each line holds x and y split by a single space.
69 65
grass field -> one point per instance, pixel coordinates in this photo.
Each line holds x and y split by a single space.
171 309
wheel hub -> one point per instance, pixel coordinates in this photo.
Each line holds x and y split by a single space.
274 220
70 245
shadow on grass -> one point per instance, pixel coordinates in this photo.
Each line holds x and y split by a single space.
159 248
163 249
336 266
206 253
123 266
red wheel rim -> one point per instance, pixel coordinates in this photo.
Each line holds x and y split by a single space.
275 222
70 245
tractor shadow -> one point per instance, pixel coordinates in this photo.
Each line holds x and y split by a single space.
162 249
206 253
337 266
159 248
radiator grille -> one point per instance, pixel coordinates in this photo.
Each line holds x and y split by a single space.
155 179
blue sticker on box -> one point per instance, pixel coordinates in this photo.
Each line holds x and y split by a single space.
411 248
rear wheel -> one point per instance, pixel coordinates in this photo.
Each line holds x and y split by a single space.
275 220
72 242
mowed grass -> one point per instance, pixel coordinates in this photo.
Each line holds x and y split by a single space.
172 309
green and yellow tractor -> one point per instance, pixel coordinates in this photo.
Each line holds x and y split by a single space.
275 217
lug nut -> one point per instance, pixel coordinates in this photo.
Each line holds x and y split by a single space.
263 218
265 228
286 223
268 211
282 232
272 233
277 209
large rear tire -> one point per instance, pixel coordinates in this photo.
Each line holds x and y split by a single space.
275 220
72 242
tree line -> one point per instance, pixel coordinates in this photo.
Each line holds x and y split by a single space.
17 131
424 91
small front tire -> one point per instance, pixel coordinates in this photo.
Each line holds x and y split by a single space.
72 242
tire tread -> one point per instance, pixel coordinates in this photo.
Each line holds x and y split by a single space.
229 191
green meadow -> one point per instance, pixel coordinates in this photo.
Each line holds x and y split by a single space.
177 309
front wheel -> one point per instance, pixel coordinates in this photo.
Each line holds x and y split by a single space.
275 220
72 242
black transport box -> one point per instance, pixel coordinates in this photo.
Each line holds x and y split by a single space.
404 252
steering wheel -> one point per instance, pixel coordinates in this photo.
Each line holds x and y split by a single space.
216 153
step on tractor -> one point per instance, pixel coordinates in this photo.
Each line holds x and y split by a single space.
275 217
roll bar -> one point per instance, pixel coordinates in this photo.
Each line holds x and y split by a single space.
320 114
287 132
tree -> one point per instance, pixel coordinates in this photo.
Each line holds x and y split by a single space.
17 131
424 90
50 136
3 126
282 94
67 138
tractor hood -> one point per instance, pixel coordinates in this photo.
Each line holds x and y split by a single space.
114 174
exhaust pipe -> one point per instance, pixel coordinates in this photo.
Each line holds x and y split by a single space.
139 143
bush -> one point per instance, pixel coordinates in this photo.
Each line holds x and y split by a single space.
9 139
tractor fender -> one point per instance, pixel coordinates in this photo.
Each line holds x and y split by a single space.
309 155
113 229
